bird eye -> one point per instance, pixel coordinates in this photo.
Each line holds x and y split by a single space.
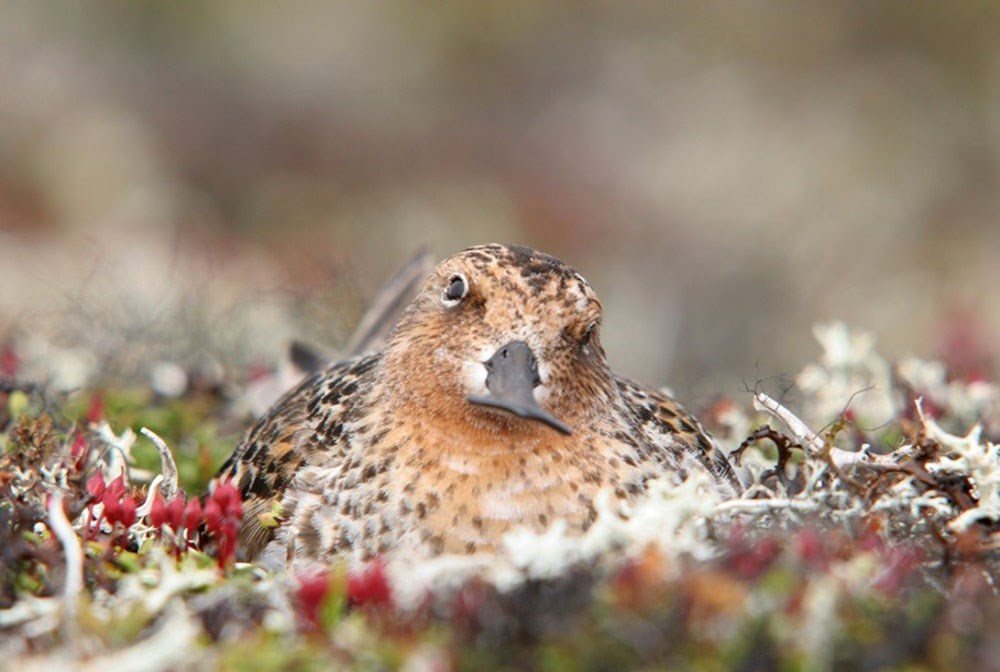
587 335
457 288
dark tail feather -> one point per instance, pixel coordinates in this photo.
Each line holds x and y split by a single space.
378 320
388 303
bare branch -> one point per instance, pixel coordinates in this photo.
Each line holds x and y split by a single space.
799 429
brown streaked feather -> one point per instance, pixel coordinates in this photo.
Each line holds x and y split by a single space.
656 415
281 443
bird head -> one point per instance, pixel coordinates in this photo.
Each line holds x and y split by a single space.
506 338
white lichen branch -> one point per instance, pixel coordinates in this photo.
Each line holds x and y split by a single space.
766 505
970 456
815 445
168 468
151 494
120 453
64 532
812 442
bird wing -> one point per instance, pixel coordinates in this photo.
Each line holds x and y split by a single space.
664 423
388 304
380 317
301 425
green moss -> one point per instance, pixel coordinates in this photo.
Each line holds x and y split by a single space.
190 426
18 404
265 652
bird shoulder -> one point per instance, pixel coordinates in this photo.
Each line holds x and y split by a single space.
664 422
306 421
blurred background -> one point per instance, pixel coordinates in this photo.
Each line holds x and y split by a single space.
186 182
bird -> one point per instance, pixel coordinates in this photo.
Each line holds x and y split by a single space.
490 407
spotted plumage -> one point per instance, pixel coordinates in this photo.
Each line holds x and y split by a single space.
491 407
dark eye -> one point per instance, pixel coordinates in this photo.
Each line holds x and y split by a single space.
588 334
457 288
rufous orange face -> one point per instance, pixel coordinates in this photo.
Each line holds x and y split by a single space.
503 330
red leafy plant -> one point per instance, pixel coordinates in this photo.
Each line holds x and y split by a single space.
370 586
185 523
9 362
118 508
182 522
222 515
323 592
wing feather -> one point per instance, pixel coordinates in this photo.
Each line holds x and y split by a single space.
666 425
286 439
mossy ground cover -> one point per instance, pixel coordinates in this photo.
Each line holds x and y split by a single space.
826 563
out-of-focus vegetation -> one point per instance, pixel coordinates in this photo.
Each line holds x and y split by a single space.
180 182
884 562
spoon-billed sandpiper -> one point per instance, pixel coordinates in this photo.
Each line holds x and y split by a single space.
490 407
